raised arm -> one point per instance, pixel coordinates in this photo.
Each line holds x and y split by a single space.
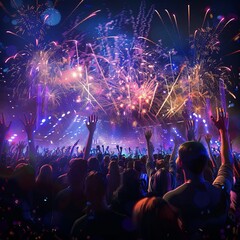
20 147
149 163
208 138
91 126
3 132
72 149
190 128
29 125
148 136
225 173
172 162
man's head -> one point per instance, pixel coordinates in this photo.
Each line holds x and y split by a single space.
193 157
77 172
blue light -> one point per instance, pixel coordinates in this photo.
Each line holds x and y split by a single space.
43 120
51 16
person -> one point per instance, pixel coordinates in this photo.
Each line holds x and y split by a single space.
99 222
71 201
128 193
154 219
202 207
45 192
162 178
113 179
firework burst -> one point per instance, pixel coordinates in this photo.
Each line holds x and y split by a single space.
122 73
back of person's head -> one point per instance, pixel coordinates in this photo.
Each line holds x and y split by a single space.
154 219
130 163
160 163
166 161
77 172
161 182
93 164
45 173
106 160
193 156
25 176
138 165
129 176
144 159
113 168
95 186
114 157
100 157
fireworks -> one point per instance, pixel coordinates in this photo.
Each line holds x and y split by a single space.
122 73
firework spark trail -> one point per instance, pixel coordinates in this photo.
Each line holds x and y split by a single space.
133 67
222 19
4 9
205 16
15 34
83 20
147 39
189 20
232 53
174 111
169 16
176 23
73 11
154 93
102 74
92 97
232 19
170 92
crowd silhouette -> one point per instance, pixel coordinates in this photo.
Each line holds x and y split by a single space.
68 193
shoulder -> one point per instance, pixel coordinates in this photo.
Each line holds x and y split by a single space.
78 224
175 195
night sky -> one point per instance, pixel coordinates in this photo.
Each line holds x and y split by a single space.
229 38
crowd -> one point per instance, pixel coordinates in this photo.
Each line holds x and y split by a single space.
191 193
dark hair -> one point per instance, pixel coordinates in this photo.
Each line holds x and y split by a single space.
193 156
154 219
96 186
77 171
93 164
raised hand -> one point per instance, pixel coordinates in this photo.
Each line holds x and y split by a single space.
4 127
117 146
91 126
222 120
21 145
76 143
190 127
92 123
151 148
29 124
148 135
